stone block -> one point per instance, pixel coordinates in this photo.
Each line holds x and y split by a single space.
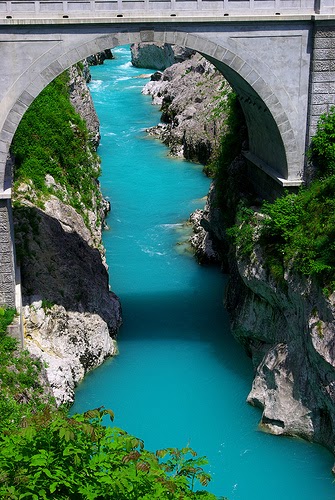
324 54
5 258
321 88
20 108
52 71
324 65
245 70
323 43
180 38
284 127
219 53
191 40
318 109
229 57
5 267
325 33
237 63
4 238
253 77
323 99
289 139
6 281
160 37
328 76
147 35
210 48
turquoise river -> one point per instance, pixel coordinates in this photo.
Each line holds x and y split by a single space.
180 377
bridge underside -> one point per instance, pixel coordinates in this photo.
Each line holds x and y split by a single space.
266 62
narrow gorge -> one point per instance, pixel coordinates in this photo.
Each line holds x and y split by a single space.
286 328
72 319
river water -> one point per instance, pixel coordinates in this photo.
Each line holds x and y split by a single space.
180 378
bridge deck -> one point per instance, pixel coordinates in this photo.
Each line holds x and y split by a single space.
51 9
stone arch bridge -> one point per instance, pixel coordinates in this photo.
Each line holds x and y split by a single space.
278 55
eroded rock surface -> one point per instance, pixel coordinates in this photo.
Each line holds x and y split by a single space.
70 343
288 329
189 94
71 317
157 55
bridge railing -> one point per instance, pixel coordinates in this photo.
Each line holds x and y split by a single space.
105 8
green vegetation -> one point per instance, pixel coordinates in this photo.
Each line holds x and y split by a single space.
18 379
63 458
53 139
230 181
297 231
45 454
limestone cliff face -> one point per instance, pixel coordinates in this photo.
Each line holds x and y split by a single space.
188 93
288 329
157 55
71 317
81 100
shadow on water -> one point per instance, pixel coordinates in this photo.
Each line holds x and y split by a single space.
188 315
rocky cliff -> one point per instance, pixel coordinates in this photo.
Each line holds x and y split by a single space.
71 317
189 93
157 56
288 328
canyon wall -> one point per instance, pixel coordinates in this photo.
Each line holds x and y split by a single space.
71 318
286 328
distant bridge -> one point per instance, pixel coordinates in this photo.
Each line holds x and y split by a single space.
278 55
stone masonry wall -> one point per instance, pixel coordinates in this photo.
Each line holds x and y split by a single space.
7 277
322 74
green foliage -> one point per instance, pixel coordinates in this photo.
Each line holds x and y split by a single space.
47 304
227 177
300 229
322 151
6 318
53 139
44 454
296 231
57 457
242 233
20 389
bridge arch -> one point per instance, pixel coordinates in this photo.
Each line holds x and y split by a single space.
272 141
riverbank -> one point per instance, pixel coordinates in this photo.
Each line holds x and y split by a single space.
180 377
71 317
285 326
